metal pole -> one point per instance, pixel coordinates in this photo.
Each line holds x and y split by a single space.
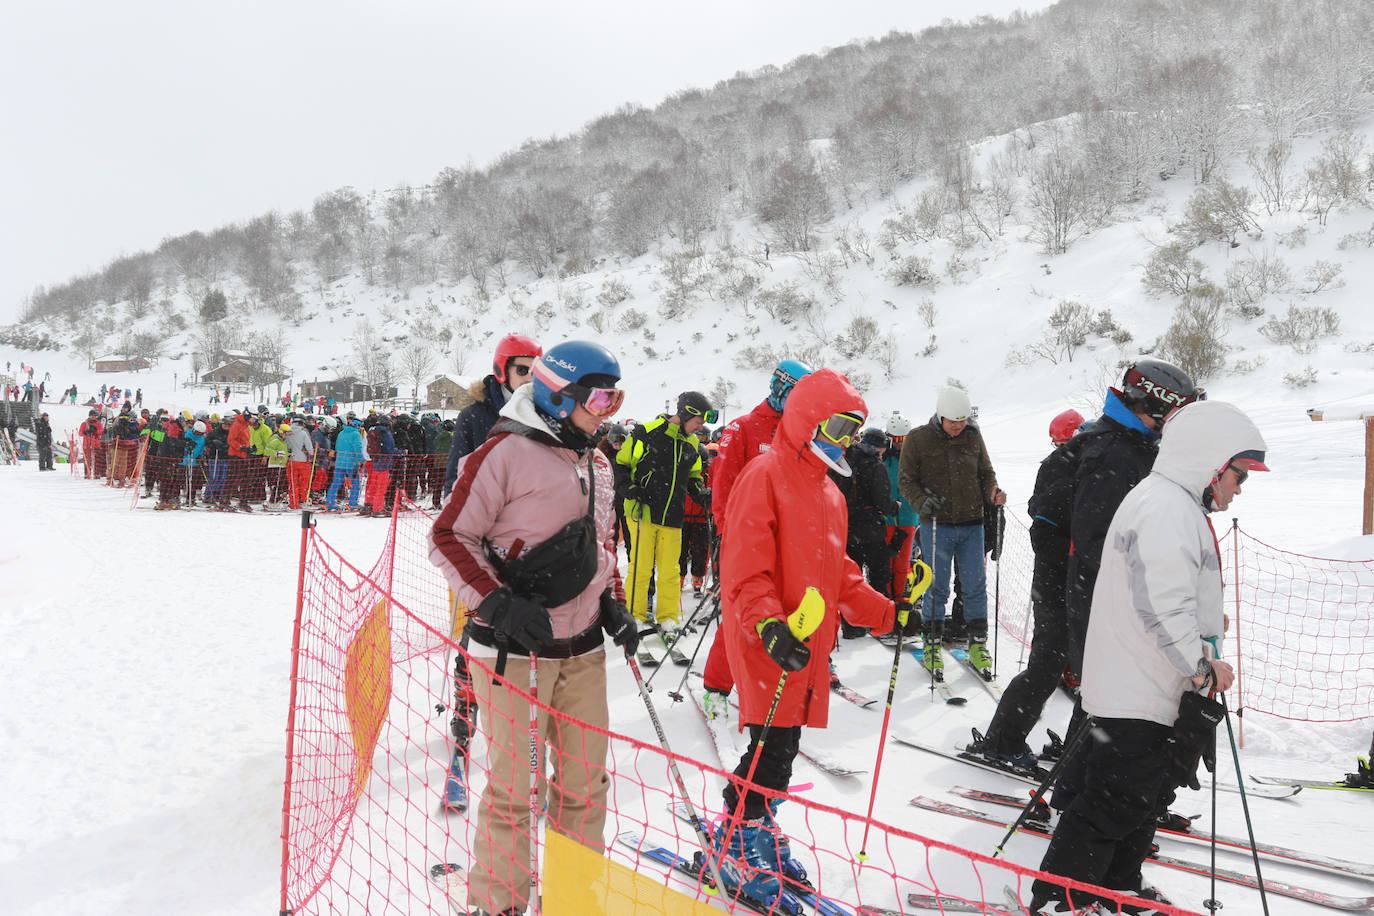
291 709
1368 527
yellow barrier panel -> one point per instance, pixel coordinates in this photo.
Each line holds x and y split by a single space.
367 689
581 882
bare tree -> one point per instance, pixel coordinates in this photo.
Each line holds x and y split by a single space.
418 360
1057 198
795 203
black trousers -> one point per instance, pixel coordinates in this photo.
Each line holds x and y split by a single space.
1024 698
696 544
774 770
1110 793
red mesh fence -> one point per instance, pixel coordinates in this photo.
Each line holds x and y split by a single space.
365 830
1303 631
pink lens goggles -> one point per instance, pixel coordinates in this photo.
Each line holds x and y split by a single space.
603 402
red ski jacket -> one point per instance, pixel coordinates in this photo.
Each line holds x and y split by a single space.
788 525
743 439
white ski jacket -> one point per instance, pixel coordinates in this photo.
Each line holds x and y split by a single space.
1159 592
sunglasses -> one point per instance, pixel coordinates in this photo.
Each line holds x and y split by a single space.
840 428
710 416
1241 474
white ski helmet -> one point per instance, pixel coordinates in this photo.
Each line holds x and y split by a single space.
953 404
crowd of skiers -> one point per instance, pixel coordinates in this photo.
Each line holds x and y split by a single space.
545 486
254 458
539 487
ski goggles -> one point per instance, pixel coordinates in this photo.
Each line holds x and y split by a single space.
839 428
600 402
707 416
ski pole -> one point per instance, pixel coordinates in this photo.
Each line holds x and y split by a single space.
997 587
682 630
917 581
698 823
1212 903
931 636
1070 749
676 695
534 776
1240 781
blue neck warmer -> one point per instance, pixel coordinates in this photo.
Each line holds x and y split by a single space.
1119 412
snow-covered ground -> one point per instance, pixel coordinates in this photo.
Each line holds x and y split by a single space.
146 668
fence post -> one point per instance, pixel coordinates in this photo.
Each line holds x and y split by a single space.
1368 527
306 526
1235 577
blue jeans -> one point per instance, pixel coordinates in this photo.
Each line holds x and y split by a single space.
214 482
340 474
965 542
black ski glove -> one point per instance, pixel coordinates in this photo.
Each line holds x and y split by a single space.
912 627
619 624
790 653
637 494
894 544
516 618
1194 738
703 497
930 506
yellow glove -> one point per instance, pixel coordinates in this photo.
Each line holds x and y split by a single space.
917 582
805 619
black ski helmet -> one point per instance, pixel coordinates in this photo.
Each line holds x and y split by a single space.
692 404
874 438
1155 387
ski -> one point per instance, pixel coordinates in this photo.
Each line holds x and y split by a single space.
993 688
850 694
1283 790
727 752
1033 778
1238 844
944 903
677 656
806 894
647 659
1308 895
453 881
941 685
455 785
1284 781
819 758
692 869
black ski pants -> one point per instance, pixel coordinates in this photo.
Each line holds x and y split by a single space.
774 771
1111 792
1024 698
696 544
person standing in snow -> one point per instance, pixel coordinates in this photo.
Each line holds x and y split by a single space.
901 525
784 534
868 497
742 440
1152 655
348 459
537 473
300 458
510 368
381 446
42 433
945 472
91 432
665 466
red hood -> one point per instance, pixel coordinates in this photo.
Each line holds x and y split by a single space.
813 398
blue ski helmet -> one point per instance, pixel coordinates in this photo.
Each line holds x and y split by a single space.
784 377
578 363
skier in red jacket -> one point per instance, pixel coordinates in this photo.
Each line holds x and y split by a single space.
786 528
744 439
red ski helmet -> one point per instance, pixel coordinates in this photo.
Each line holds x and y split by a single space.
1064 425
510 347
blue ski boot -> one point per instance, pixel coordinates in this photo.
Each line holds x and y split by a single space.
455 784
792 872
748 868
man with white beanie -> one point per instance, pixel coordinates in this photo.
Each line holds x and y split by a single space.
946 475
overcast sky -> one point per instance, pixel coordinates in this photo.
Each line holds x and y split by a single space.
125 123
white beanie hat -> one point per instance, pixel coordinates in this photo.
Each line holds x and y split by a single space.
953 404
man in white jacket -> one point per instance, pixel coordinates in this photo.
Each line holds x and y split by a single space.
1156 616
